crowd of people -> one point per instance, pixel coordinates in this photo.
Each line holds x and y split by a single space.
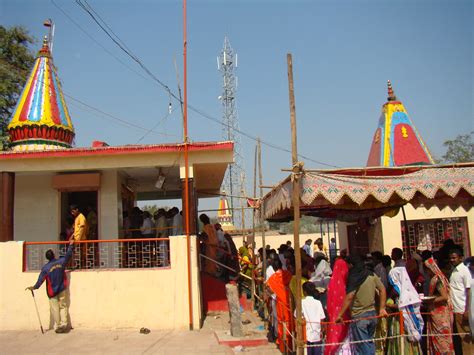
354 304
139 224
143 225
364 299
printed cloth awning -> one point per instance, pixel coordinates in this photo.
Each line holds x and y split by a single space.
372 192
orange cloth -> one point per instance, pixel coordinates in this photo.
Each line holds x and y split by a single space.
80 227
211 248
279 284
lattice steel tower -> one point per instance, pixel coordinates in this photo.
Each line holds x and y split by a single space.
234 181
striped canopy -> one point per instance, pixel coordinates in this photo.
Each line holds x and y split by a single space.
372 192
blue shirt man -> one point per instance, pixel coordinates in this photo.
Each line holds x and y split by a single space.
54 272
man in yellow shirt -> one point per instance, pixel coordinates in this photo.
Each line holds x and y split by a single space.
80 233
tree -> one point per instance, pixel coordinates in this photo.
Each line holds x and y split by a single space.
460 149
16 60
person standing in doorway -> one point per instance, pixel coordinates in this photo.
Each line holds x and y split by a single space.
54 272
80 224
80 232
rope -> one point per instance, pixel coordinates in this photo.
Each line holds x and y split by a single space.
379 339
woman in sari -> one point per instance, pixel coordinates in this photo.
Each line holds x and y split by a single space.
246 268
337 333
408 302
278 284
211 243
440 320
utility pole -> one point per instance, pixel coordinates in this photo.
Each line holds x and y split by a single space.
297 168
186 166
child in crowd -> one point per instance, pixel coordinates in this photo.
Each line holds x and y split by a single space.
313 313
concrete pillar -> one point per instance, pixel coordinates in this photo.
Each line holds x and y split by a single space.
7 196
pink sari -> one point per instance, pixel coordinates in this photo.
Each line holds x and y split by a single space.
336 333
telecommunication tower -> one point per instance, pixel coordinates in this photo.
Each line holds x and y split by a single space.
234 180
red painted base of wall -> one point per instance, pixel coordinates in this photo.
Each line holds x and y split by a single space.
214 298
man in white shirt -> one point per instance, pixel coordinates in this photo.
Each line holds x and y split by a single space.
307 247
177 222
460 283
161 232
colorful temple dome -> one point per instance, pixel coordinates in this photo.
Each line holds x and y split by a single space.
224 215
41 119
396 141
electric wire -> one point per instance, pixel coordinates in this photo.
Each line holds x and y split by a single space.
97 42
104 26
122 121
101 113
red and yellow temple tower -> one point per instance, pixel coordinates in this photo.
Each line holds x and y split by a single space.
224 215
396 141
41 119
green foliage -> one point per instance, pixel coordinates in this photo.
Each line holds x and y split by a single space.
460 149
308 224
16 60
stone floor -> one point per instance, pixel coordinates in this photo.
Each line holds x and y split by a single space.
130 341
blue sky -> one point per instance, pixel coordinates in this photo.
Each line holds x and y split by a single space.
343 54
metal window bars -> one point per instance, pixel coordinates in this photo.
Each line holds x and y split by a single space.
102 254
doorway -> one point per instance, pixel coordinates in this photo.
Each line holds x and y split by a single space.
358 240
87 203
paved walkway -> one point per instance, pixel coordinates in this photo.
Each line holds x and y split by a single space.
128 341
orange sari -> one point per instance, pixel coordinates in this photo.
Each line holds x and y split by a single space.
211 248
279 283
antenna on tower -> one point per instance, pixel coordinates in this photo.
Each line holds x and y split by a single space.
234 180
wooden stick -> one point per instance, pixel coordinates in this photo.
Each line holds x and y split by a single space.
262 216
296 206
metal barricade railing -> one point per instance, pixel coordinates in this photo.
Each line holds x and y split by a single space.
252 288
101 254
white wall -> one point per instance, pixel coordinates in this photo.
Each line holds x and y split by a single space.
391 231
108 299
36 208
392 235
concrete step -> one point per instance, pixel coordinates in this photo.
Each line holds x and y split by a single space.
255 334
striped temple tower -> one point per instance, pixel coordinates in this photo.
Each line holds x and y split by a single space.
396 141
224 215
41 119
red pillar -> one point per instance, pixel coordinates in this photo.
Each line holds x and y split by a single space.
7 193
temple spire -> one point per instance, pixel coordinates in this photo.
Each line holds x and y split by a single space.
396 141
41 119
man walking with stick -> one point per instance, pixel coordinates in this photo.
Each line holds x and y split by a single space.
54 272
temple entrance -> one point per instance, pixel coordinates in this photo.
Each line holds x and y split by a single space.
358 240
87 202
